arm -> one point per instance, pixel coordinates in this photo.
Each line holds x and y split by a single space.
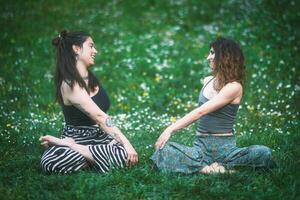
81 100
227 94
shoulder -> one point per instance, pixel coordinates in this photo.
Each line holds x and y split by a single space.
206 79
233 88
67 89
235 85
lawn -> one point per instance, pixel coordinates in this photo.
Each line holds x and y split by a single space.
151 61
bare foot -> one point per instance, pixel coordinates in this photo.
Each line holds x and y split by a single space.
49 140
205 170
217 168
213 168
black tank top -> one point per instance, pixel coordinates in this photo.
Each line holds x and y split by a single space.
73 116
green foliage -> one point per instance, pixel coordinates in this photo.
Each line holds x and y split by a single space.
151 61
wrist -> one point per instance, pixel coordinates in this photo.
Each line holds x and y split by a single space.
126 144
170 130
71 146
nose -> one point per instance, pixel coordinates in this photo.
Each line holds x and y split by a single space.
208 57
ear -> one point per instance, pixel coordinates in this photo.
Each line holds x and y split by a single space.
76 49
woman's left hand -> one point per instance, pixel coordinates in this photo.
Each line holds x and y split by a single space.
132 155
163 138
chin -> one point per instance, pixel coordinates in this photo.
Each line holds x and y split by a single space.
89 65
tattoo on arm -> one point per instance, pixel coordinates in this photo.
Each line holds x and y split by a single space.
110 122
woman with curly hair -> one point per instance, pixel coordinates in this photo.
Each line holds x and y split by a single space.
215 147
90 139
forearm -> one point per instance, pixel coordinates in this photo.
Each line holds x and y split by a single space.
116 134
108 125
83 150
186 120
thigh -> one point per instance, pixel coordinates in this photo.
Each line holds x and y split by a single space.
175 157
255 156
108 156
62 159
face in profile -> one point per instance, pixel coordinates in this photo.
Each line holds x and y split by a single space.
87 53
211 58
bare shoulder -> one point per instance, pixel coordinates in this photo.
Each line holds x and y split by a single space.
206 79
235 85
234 88
65 88
68 90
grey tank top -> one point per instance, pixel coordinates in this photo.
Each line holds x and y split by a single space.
219 121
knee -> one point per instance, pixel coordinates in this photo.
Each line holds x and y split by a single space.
166 150
265 155
262 150
52 160
46 165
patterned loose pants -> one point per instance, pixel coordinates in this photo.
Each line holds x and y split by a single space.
175 157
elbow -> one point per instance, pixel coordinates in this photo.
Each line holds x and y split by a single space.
199 113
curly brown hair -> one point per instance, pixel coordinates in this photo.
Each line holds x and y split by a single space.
229 62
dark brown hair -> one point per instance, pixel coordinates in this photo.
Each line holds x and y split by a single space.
66 63
229 62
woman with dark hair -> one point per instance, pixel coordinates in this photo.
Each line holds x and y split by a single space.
90 138
215 147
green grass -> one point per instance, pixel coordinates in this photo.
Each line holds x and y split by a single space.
151 62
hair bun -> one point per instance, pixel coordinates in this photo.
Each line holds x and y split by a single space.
57 40
63 34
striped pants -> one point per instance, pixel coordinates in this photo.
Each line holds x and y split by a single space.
106 152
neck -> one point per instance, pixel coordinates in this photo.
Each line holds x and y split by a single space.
82 69
216 83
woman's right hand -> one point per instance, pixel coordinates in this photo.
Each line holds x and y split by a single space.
132 155
163 138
